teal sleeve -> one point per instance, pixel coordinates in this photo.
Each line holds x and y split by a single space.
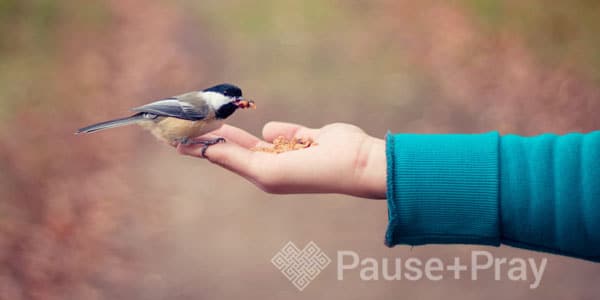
550 193
540 193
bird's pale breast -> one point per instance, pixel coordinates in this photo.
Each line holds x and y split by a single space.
175 130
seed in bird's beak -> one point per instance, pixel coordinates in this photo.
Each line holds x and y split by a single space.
246 104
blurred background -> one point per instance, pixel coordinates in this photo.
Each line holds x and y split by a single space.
116 215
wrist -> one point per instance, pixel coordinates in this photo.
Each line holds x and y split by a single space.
371 169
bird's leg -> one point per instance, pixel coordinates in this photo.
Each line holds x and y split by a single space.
205 143
183 141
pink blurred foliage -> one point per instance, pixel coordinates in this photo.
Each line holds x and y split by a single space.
67 200
493 75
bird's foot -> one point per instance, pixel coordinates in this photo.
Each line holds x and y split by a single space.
206 143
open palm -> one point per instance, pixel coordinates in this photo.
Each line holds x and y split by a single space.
345 160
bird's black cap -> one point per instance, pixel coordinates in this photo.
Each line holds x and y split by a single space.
226 89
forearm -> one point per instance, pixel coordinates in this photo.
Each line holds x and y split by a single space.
541 193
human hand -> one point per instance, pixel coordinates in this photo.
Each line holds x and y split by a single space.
345 160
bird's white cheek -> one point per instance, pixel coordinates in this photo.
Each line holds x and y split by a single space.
215 100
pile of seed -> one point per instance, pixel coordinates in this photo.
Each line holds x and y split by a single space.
282 144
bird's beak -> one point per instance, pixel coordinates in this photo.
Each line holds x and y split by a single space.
243 103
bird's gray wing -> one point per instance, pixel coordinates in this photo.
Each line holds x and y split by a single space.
176 107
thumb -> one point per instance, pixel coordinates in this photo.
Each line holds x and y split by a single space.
272 130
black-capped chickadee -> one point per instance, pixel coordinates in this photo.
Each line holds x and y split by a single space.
180 119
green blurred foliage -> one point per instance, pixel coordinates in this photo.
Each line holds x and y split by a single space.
30 46
27 47
556 30
336 49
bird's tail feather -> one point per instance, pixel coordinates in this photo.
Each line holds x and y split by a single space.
110 124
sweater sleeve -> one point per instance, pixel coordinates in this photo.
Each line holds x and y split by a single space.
541 193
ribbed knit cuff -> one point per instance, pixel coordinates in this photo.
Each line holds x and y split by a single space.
443 189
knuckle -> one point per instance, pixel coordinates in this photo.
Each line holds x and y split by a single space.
266 189
268 182
271 189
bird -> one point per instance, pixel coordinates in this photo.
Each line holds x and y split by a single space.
181 119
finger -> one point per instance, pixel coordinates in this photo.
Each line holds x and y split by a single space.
272 130
237 135
228 155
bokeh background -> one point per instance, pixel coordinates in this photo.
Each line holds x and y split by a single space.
117 215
